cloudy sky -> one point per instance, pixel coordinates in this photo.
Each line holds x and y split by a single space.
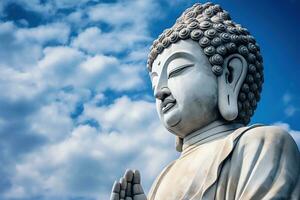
76 106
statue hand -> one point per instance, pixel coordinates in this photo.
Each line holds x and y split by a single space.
129 187
137 189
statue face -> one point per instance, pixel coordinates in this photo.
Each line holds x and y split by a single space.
185 88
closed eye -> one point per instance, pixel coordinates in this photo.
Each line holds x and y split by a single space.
179 70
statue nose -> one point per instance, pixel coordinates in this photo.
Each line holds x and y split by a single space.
162 93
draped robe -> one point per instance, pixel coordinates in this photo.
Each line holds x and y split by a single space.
256 162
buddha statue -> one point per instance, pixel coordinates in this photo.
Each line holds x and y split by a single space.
207 76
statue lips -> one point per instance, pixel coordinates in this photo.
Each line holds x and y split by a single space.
167 104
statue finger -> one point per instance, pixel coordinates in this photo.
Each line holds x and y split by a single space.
129 189
123 183
140 197
116 187
114 196
128 175
136 177
137 189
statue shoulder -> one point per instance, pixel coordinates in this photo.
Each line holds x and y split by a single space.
266 164
158 180
268 140
272 136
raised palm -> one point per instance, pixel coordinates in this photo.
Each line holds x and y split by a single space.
129 187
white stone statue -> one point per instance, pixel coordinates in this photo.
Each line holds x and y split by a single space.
207 76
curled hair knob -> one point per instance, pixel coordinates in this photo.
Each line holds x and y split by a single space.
217 70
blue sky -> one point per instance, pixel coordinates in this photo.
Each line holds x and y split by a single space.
76 106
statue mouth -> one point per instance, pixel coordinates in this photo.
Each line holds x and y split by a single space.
167 104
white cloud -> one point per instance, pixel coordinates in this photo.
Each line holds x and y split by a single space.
18 85
13 52
76 18
65 66
36 6
107 72
69 3
53 121
88 39
124 12
58 32
21 48
287 97
89 160
122 111
93 40
58 66
98 63
59 140
294 133
290 110
138 55
48 7
289 107
127 26
129 77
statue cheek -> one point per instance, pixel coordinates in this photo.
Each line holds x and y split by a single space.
172 118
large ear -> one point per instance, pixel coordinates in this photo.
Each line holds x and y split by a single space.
229 83
179 144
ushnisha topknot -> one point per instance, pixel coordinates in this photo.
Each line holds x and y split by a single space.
218 36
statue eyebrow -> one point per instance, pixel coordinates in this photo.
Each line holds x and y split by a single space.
179 54
175 55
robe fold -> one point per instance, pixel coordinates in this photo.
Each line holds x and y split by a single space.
250 163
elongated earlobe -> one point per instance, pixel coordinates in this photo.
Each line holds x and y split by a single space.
179 143
229 84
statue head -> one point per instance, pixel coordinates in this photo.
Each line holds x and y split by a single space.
204 68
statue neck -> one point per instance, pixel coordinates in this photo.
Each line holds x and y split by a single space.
208 133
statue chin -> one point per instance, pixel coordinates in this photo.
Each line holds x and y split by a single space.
171 119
